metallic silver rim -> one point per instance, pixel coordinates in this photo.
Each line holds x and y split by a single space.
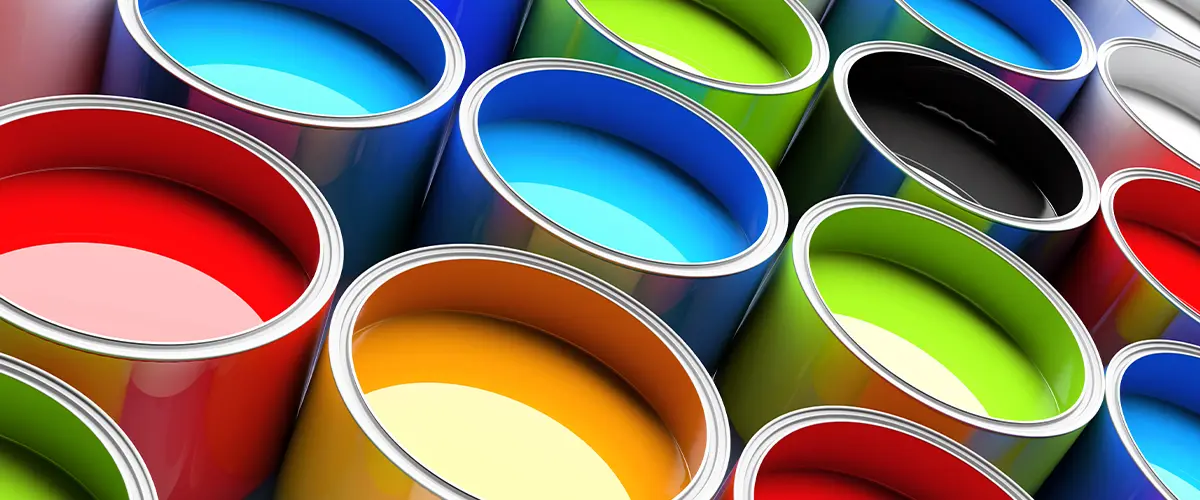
1089 201
452 77
1074 418
706 481
1136 4
310 303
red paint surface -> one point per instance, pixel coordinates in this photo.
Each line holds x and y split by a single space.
136 257
1171 259
816 485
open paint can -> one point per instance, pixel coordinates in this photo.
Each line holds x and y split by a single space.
1143 442
488 30
1039 47
357 94
56 444
755 64
617 175
1171 22
838 452
52 47
910 122
464 371
1136 273
1141 109
174 270
885 304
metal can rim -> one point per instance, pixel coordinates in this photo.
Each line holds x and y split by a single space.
1072 419
1083 212
1136 4
706 480
442 93
308 305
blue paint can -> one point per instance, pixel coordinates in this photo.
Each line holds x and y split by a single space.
356 94
617 175
488 30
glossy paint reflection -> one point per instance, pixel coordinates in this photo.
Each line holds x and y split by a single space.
981 30
25 475
1168 436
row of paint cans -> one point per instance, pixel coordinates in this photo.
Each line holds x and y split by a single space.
830 452
642 187
1040 48
910 122
186 306
1139 109
1143 442
754 64
856 315
51 47
56 444
446 376
1171 22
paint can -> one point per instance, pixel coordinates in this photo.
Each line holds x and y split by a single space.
1142 444
356 94
55 443
910 122
885 304
754 64
1039 47
52 47
174 270
412 401
488 30
847 452
1170 22
617 175
1139 109
1134 274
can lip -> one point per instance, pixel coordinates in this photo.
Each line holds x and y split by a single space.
1137 4
1107 49
812 74
1083 212
773 432
1081 68
442 93
708 477
1111 187
1112 394
761 250
311 302
1074 418
128 461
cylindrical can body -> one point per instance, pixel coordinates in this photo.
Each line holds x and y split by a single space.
345 446
58 424
1121 293
477 197
211 414
817 7
879 453
488 30
1137 109
373 168
52 47
1110 459
906 121
1065 53
796 350
1153 20
767 113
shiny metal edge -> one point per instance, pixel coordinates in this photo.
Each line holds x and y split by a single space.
760 251
706 480
1136 4
311 302
1089 202
1073 419
442 93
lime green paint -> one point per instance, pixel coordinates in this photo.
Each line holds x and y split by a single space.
952 330
689 33
25 475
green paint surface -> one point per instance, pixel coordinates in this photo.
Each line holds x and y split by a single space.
689 36
994 376
26 475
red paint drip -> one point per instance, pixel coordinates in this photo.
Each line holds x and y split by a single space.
819 485
1174 261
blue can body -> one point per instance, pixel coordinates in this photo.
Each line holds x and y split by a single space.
488 30
373 169
704 302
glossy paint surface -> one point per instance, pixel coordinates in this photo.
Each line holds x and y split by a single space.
819 485
1168 437
612 192
284 57
24 475
1169 257
979 29
1173 124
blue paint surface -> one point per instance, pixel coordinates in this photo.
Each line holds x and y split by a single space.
612 192
285 57
1169 438
975 27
